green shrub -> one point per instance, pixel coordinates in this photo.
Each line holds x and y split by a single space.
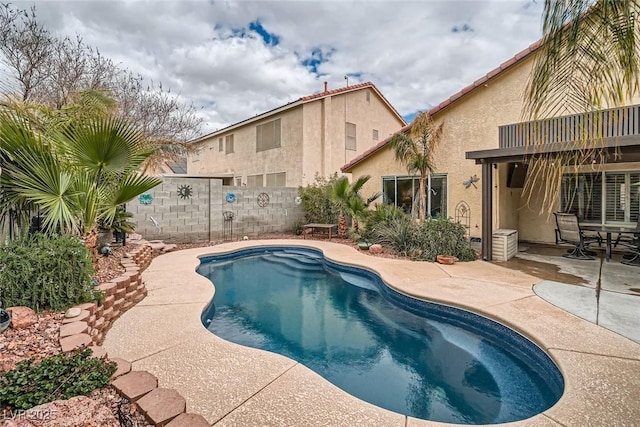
316 201
440 236
61 376
46 272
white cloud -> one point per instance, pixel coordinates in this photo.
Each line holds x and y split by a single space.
409 49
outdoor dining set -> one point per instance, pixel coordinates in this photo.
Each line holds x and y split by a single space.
582 236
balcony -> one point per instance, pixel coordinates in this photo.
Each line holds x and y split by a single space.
602 125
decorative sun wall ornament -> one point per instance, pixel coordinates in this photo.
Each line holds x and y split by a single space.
263 200
297 200
145 198
185 191
231 197
471 181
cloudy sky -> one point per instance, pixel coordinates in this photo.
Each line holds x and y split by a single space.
235 59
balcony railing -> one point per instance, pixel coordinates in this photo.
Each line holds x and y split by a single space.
613 123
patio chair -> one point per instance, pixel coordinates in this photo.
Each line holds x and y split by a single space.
569 231
633 244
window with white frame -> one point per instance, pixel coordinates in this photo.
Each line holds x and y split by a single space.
350 136
276 179
221 144
602 197
255 181
403 191
268 135
229 148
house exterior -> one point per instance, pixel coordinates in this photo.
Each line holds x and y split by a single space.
482 159
291 144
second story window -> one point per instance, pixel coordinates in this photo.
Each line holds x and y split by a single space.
221 144
268 135
350 136
375 135
229 144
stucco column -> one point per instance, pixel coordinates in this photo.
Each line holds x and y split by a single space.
487 211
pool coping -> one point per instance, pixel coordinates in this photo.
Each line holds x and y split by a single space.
233 385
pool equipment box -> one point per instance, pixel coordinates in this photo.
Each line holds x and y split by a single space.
504 244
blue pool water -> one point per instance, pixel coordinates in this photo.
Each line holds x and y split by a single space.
413 357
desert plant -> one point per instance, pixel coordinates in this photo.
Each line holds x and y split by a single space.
61 376
381 216
46 272
399 234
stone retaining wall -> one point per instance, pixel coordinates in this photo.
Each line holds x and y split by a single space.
120 294
86 324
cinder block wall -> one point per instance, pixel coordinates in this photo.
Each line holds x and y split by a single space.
171 217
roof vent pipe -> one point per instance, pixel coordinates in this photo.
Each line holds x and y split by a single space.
326 86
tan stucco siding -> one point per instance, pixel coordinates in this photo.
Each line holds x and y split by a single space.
324 138
313 139
471 124
245 160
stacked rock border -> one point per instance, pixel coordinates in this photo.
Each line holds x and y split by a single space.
86 324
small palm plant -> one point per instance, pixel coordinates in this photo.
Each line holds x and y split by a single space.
348 201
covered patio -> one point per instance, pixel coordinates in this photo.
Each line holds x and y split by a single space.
614 134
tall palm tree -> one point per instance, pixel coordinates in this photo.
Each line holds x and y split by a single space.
589 60
416 150
348 200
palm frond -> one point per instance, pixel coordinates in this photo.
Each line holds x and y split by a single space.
589 57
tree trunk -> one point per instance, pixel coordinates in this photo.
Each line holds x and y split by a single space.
342 226
90 241
422 200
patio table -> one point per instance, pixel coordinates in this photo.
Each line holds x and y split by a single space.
608 230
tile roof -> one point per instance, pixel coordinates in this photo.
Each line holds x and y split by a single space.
453 98
304 100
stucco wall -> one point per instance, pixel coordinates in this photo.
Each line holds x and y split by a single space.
245 160
312 139
471 124
351 107
200 217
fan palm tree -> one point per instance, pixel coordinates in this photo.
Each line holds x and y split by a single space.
415 150
589 60
348 200
76 176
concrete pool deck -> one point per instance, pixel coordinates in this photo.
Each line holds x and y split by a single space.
232 385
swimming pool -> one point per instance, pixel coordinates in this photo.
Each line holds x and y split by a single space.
413 357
